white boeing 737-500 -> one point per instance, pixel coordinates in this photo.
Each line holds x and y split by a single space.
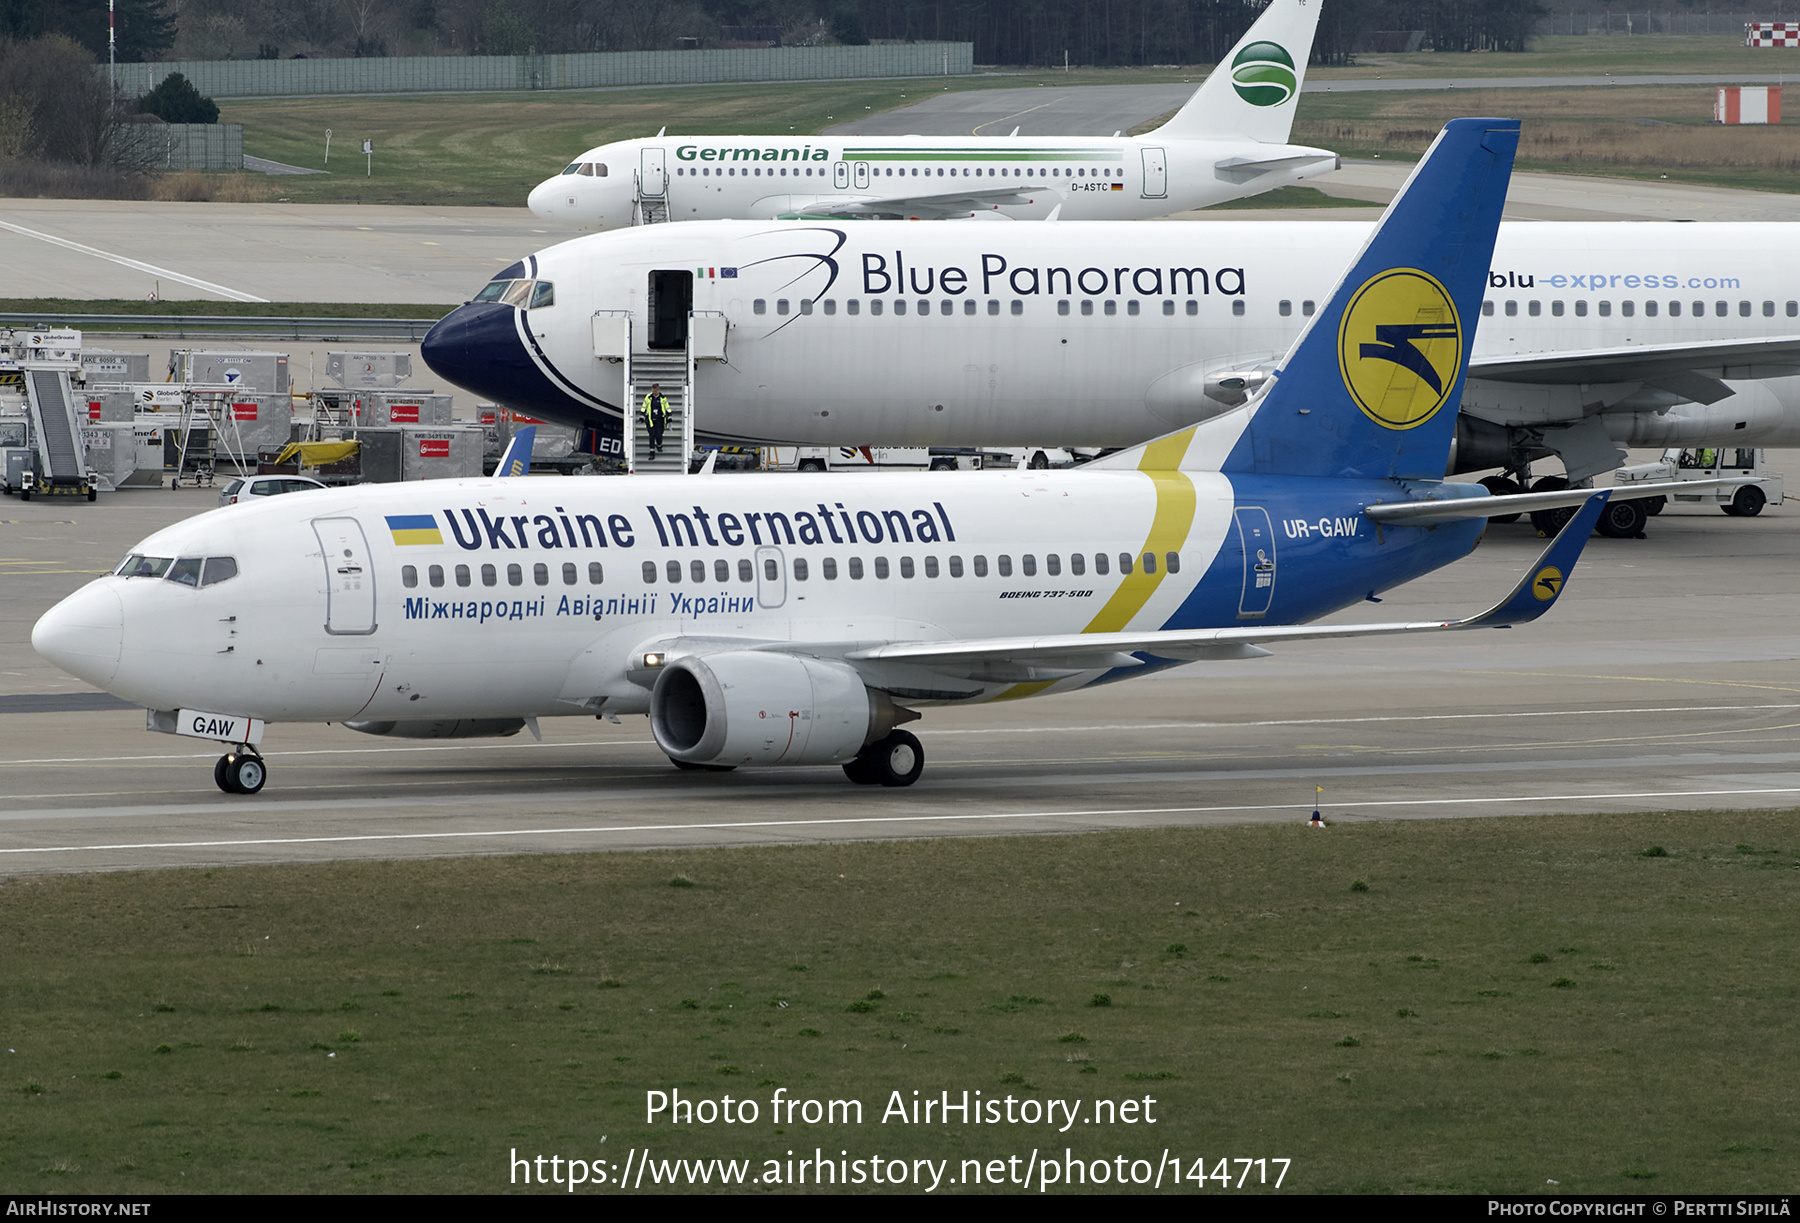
793 619
1229 141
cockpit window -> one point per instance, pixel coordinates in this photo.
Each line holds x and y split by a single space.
218 569
525 294
574 168
137 565
186 571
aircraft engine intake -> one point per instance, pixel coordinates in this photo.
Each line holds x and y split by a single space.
749 707
463 728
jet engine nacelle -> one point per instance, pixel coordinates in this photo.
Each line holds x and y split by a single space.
749 707
460 728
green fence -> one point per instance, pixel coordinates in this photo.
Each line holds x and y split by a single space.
429 74
184 146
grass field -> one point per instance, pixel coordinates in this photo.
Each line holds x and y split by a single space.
1574 1004
491 148
1634 131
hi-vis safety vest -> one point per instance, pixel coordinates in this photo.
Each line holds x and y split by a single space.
656 410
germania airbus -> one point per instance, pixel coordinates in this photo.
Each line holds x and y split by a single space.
1229 141
803 620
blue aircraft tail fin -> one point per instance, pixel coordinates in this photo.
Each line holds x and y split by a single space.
1371 388
517 459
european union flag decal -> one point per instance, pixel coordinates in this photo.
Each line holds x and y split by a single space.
414 529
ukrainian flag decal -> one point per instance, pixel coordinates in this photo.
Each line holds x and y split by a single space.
414 529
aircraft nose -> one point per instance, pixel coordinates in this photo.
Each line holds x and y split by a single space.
477 346
544 198
83 634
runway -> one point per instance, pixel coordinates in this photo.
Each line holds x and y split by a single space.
1664 680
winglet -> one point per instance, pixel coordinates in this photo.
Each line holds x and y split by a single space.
517 459
1539 589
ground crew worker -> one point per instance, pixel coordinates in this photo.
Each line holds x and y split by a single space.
656 417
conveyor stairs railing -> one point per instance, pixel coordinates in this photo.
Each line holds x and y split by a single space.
669 370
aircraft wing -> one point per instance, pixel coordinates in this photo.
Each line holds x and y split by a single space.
1646 362
1534 595
946 204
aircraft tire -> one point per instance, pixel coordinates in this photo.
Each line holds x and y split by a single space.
1501 486
896 760
860 770
1749 501
219 773
1622 520
245 774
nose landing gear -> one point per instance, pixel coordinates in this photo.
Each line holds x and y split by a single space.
240 771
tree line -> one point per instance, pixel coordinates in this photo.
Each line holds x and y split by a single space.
1004 32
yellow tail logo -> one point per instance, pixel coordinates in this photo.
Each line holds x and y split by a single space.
1400 346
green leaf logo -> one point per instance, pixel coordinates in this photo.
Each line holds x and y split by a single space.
1263 74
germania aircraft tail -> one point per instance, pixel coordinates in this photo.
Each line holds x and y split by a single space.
1371 387
1252 92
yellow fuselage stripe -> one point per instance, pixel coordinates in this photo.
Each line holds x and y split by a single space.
1175 500
1169 527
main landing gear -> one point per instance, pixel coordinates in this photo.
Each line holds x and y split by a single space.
240 771
894 761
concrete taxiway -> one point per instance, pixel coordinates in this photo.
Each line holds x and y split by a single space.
1666 679
439 257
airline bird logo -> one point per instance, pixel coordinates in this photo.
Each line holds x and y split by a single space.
1398 342
1400 347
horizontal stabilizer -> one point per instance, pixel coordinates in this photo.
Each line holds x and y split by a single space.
1427 513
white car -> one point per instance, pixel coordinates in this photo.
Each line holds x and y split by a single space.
265 486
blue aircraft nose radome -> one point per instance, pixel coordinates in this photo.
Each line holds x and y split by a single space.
477 347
